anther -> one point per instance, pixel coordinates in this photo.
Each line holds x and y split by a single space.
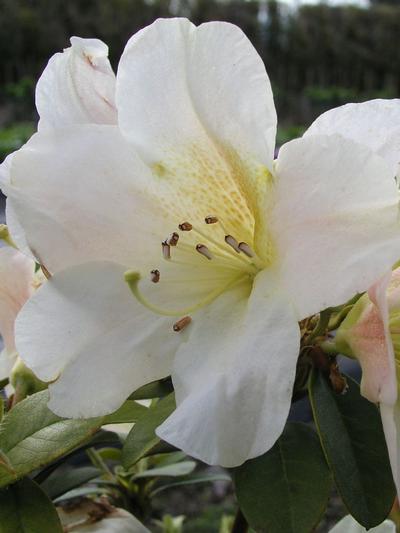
182 323
203 250
232 242
46 273
166 250
173 239
185 226
155 276
211 220
245 248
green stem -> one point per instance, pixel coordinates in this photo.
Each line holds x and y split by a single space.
98 461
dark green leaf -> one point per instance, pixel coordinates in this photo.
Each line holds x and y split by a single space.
156 389
142 438
66 479
351 434
286 489
25 508
32 436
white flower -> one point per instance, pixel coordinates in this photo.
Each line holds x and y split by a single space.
16 286
99 516
349 525
195 138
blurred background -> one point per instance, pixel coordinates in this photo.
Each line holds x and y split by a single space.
318 55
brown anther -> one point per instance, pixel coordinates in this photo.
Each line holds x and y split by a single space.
173 239
185 226
155 276
203 250
166 250
232 242
46 273
182 323
245 248
211 220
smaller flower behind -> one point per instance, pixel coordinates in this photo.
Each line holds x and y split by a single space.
349 525
18 282
371 333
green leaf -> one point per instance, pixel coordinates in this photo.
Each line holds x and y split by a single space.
179 469
25 508
32 436
65 479
142 438
130 411
351 434
156 389
286 489
190 480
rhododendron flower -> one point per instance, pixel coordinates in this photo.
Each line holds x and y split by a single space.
371 332
17 281
223 249
349 525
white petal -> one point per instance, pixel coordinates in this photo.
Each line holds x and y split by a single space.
77 86
81 194
16 286
335 222
349 525
178 84
234 377
85 325
375 124
390 415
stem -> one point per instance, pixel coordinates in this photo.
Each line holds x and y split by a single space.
98 461
240 524
329 347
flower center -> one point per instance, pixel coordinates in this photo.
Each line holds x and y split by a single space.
224 260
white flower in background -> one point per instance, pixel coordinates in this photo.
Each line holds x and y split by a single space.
98 516
16 286
250 246
349 525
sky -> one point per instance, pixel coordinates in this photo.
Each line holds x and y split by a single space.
294 3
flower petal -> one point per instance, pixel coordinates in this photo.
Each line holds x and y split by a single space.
349 525
84 329
335 221
81 194
77 86
198 106
176 83
16 286
234 376
375 124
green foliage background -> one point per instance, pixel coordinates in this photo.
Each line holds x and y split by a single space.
317 57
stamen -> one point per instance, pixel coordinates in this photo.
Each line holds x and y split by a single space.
182 323
245 248
166 250
46 273
211 220
185 226
232 242
132 278
173 239
203 250
155 276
